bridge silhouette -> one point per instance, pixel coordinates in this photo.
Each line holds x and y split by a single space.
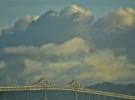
73 86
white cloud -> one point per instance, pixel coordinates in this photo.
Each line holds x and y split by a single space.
56 45
20 25
105 66
75 58
2 64
23 23
98 65
78 13
73 46
53 70
32 65
118 20
53 26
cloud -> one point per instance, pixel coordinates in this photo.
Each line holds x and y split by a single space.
69 44
2 64
70 22
118 20
100 65
116 30
104 65
52 70
79 14
49 58
73 46
49 37
53 26
23 23
20 25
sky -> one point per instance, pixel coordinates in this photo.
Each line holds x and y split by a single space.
91 41
18 8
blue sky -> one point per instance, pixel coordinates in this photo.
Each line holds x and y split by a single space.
11 10
87 40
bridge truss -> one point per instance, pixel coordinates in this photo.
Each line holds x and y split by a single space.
73 86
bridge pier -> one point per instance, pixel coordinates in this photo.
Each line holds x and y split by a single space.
26 94
89 97
16 96
76 96
45 95
111 98
104 97
2 95
97 97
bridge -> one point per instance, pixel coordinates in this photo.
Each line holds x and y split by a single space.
73 86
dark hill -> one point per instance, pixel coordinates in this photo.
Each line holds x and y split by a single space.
115 88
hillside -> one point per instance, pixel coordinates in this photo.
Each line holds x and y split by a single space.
128 89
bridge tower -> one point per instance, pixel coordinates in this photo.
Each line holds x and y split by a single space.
75 84
45 83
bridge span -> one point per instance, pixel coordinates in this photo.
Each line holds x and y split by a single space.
74 86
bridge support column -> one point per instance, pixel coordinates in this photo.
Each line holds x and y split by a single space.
26 95
4 96
104 97
111 98
13 92
15 95
97 96
45 95
0 95
76 96
89 97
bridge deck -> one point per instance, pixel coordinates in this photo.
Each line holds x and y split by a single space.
67 88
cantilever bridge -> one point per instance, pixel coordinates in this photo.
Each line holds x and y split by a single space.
73 86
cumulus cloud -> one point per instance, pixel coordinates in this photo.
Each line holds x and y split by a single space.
118 20
70 22
23 23
52 26
116 30
20 25
80 14
104 65
73 46
100 65
66 45
52 70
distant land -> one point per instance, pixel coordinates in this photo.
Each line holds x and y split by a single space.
128 89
